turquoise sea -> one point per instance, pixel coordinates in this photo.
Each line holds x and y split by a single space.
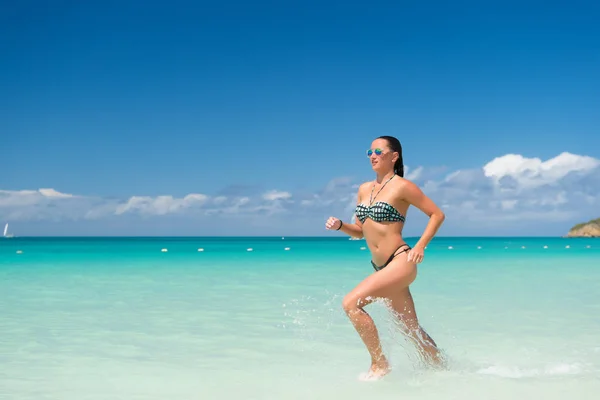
119 318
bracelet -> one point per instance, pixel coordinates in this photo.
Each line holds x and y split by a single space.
341 224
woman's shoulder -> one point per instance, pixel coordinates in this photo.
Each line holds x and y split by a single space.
364 188
403 184
401 181
405 189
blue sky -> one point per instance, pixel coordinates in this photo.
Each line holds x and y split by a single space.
262 112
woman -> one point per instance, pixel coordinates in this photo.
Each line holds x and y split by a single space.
380 214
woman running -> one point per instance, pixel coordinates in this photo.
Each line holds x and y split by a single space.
380 215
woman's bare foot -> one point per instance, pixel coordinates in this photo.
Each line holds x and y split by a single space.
377 371
438 361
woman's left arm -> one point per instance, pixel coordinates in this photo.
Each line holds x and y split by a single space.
413 195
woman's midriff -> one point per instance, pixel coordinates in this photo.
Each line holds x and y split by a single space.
382 241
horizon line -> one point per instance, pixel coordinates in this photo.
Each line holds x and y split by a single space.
280 236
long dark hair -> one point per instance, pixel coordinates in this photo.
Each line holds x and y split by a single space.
397 147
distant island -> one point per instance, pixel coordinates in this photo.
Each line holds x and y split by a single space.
586 229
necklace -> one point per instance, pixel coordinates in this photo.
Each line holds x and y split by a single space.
380 189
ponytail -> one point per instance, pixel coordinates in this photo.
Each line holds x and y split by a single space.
396 147
399 168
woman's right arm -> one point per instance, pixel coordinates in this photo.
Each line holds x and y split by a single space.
351 229
354 230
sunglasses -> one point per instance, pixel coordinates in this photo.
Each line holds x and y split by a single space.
377 152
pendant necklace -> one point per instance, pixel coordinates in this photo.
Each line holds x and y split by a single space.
380 189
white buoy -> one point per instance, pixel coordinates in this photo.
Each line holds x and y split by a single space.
164 250
249 249
567 247
363 248
19 251
450 247
200 249
545 247
522 247
588 246
287 248
479 247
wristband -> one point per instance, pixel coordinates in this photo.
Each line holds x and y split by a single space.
341 223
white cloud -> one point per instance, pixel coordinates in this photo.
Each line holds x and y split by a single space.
17 198
54 193
219 199
276 195
413 175
533 172
44 204
504 193
513 189
160 205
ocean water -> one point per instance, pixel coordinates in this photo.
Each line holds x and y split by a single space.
119 318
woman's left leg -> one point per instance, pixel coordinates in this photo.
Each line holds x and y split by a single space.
403 308
397 275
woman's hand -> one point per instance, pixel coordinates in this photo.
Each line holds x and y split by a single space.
333 224
416 254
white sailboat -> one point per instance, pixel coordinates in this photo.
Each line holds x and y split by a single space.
6 234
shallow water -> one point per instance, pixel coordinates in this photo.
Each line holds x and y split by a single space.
119 318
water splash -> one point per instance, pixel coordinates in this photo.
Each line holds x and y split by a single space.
515 372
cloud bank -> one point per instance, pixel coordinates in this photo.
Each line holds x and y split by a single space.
511 194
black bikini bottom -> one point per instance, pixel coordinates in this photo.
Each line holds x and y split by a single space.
394 254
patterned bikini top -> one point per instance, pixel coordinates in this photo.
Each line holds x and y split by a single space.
379 212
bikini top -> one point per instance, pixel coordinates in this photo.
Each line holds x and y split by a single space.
379 212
